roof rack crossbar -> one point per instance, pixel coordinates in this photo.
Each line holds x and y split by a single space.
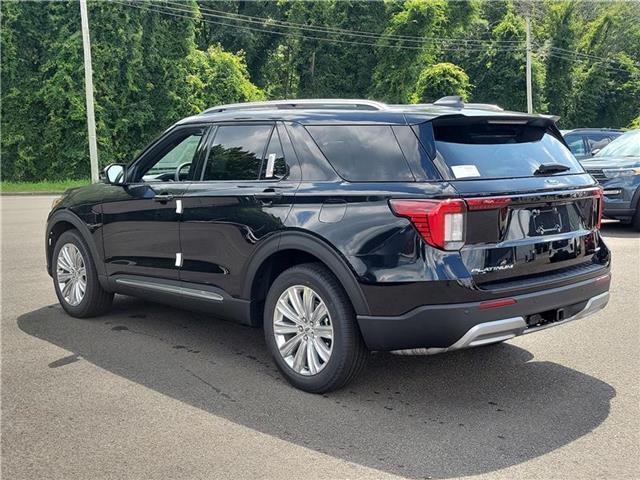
320 104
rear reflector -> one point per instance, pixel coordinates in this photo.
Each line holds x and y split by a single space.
503 302
439 222
489 203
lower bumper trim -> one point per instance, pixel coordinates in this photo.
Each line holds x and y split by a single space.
501 330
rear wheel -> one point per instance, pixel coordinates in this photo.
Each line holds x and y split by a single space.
311 330
75 278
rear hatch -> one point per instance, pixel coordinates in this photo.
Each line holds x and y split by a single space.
532 213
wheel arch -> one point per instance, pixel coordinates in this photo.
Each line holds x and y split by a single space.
62 221
286 250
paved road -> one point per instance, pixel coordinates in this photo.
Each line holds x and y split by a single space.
154 392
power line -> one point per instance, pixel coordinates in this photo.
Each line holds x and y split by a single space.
365 35
188 14
587 55
327 29
574 59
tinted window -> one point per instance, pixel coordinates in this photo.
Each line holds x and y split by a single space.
576 145
481 149
415 154
274 165
236 152
627 145
597 141
179 150
362 152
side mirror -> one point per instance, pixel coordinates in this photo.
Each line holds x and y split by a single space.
595 150
114 174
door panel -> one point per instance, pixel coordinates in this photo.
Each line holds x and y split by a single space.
141 233
140 223
224 221
223 224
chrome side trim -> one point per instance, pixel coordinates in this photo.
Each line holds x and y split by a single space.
179 208
176 290
501 330
178 259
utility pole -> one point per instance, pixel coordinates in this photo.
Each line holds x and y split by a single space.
88 89
529 92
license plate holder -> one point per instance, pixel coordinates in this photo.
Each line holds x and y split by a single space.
546 221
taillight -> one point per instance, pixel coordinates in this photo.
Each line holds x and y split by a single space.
441 223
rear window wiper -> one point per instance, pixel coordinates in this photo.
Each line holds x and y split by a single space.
549 168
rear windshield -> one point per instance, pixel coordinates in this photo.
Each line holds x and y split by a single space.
491 149
362 153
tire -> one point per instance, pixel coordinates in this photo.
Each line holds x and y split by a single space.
95 300
635 222
348 353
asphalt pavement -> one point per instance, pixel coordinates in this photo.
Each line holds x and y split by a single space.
149 392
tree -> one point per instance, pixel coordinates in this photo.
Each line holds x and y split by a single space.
155 62
503 79
215 77
562 29
440 80
400 60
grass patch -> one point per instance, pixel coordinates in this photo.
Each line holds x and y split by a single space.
44 186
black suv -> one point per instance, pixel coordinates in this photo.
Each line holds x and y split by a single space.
343 226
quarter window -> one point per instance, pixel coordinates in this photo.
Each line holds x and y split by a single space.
237 152
364 153
274 165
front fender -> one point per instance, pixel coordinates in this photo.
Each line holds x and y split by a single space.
91 237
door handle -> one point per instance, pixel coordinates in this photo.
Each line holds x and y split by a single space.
163 198
268 195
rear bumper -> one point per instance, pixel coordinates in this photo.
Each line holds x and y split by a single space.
440 328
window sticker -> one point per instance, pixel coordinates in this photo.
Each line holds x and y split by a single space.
464 171
271 160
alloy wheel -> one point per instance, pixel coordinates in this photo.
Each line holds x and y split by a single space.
303 330
71 274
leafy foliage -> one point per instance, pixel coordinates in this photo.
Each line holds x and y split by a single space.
157 61
440 80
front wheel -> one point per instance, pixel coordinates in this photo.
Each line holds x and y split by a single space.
75 278
311 330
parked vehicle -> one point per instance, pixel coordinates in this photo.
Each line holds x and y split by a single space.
586 142
617 168
343 227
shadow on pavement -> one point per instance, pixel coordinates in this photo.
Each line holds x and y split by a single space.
613 228
450 415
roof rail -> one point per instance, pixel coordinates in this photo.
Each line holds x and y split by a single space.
450 103
319 104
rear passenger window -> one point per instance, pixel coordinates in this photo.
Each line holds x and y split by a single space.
362 153
237 152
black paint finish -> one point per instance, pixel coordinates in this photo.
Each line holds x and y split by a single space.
229 229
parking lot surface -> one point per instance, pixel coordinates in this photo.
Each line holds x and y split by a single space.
150 391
